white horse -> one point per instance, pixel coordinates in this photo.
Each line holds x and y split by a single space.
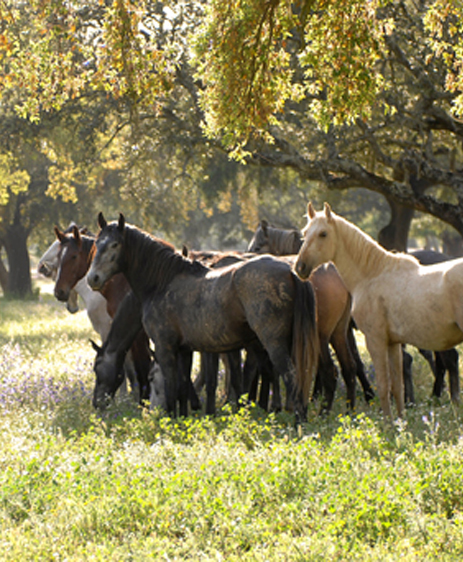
94 301
395 299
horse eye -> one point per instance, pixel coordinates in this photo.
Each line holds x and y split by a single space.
323 234
114 245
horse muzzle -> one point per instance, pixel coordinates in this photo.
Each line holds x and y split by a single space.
95 281
101 399
302 269
61 294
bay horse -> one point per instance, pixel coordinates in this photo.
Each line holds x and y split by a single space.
396 300
95 303
75 255
333 313
187 306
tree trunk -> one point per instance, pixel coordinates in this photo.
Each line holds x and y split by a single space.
3 277
19 274
394 236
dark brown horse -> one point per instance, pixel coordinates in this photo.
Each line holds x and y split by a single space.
333 313
75 256
187 306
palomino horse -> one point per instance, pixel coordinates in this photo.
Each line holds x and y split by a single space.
75 256
333 314
395 299
443 360
277 241
187 306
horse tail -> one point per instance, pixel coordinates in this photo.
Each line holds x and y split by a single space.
305 344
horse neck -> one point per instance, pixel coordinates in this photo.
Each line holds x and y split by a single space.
149 263
282 242
357 256
87 249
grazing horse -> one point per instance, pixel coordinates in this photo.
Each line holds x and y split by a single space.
75 255
188 306
333 314
396 300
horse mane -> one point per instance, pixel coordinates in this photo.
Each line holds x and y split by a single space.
155 258
366 250
285 241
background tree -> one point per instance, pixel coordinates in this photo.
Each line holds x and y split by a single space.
347 94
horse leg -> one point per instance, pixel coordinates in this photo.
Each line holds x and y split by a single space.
439 374
327 374
168 362
283 365
268 379
378 353
341 346
250 375
236 373
448 360
429 356
368 391
184 375
211 364
409 393
396 370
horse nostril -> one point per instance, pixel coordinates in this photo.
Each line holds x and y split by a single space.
300 268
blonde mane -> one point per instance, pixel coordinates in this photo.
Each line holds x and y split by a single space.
365 251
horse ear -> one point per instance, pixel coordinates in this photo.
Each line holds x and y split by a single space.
328 211
310 210
76 234
96 347
121 223
60 235
101 220
184 251
264 225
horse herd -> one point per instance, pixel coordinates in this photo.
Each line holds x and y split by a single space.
285 301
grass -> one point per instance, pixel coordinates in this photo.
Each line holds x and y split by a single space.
134 485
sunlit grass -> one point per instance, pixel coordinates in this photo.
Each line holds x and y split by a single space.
245 485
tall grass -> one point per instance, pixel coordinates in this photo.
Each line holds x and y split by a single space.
134 485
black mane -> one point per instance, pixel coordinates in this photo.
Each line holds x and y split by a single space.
155 259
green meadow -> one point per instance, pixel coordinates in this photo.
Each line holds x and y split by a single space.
244 485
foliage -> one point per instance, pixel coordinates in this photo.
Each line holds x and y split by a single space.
134 485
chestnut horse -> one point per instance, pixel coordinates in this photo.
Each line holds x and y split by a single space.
396 300
187 306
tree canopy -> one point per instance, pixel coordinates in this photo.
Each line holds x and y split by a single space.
346 93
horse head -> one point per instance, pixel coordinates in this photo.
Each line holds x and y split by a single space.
109 371
319 241
73 262
108 252
260 243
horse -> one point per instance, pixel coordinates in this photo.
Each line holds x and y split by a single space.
396 300
95 303
268 239
75 255
439 361
188 306
109 361
333 313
